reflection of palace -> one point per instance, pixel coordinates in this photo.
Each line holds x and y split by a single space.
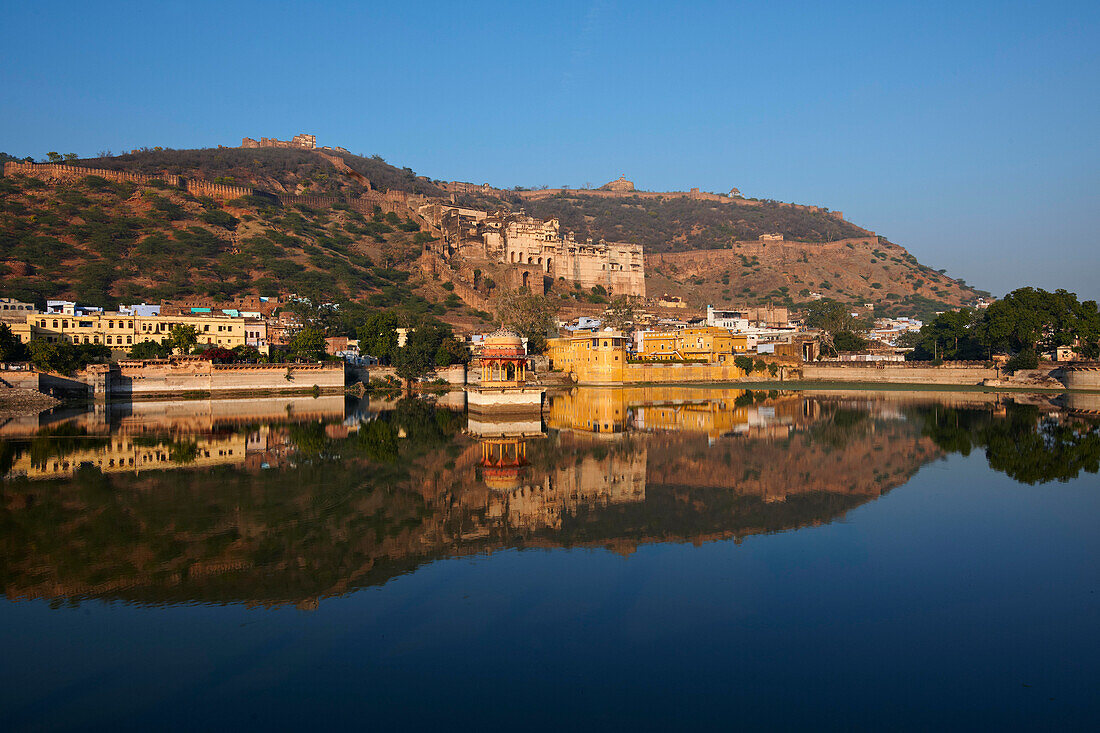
715 412
130 454
157 435
539 501
683 465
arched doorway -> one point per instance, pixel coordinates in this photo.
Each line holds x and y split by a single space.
526 279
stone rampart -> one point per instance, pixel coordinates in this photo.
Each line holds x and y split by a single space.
431 264
654 372
226 191
958 373
59 172
134 378
728 256
694 194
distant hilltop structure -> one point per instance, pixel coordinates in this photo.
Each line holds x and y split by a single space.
302 141
619 184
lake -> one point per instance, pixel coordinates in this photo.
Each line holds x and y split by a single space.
647 558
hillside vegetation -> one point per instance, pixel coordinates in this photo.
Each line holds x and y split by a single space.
103 242
281 170
677 223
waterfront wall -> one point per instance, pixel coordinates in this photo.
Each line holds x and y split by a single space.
961 374
161 378
19 380
658 373
1082 377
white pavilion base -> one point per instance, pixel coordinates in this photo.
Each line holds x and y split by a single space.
505 399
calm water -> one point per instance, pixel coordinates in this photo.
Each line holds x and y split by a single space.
658 558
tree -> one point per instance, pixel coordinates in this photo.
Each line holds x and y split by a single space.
308 344
183 338
831 316
952 335
415 360
531 316
378 336
622 311
55 157
11 348
63 357
848 341
430 344
150 350
219 354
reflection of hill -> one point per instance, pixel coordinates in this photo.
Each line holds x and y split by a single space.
345 509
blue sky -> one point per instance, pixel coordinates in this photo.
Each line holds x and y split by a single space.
966 132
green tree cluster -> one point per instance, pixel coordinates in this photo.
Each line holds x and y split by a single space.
1023 323
531 316
63 357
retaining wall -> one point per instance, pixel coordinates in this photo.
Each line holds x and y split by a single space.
160 378
899 373
26 379
1082 377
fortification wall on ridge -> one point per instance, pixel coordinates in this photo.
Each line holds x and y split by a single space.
199 187
60 172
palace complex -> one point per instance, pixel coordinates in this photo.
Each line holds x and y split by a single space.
538 248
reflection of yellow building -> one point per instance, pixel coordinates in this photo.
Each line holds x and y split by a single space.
590 483
131 454
716 412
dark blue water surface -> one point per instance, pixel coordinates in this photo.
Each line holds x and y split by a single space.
775 560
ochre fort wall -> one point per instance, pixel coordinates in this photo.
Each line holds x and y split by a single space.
59 172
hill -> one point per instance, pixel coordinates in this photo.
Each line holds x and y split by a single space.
103 242
675 223
303 224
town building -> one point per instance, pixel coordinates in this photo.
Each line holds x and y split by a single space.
121 331
711 345
15 311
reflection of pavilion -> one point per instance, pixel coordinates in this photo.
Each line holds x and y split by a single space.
529 497
503 462
503 378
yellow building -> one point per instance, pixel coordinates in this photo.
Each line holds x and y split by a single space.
121 332
601 357
594 356
712 345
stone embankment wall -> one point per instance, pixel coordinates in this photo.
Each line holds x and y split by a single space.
658 372
158 378
959 373
1082 377
26 379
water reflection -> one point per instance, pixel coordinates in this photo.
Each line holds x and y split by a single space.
293 500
